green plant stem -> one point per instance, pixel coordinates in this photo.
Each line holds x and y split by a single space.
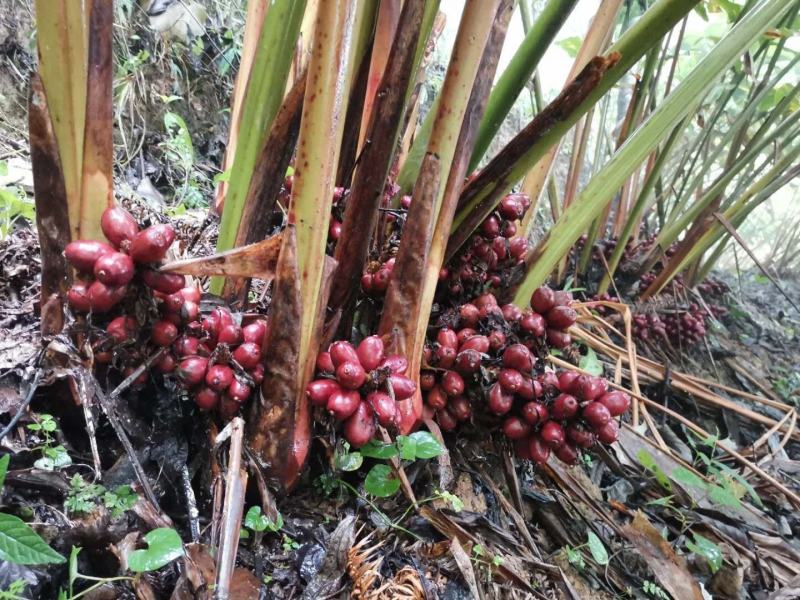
391 523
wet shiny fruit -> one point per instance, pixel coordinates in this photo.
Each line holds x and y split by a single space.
151 244
118 225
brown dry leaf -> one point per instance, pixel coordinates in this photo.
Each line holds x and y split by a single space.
244 585
668 567
201 570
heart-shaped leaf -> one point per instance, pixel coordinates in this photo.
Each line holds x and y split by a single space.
381 481
163 546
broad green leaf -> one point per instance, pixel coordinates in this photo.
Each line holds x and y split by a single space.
708 550
349 461
381 482
4 468
257 521
596 547
686 477
163 546
720 495
426 446
648 462
407 447
376 449
570 45
590 363
21 545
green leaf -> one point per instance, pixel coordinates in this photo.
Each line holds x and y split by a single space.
455 502
73 565
708 550
21 545
597 549
648 462
163 546
570 45
574 557
381 481
377 449
420 444
686 477
590 363
257 521
665 501
720 495
349 461
4 468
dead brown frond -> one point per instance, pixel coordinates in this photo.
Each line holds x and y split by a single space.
363 567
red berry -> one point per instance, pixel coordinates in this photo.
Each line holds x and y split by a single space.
539 451
219 377
558 338
174 302
552 434
515 428
230 334
616 402
485 300
608 433
168 283
447 422
343 403
78 297
543 300
561 317
467 362
151 244
490 228
445 357
533 323
189 311
549 381
82 254
567 453
402 386
351 375
500 402
370 352
114 268
511 208
476 342
320 390
452 383
396 364
191 294
517 247
384 407
511 380
211 326
497 339
511 312
464 334
324 363
534 413
192 370
436 399
580 436
567 380
335 229
164 333
257 373
248 355
206 399
238 391
118 225
427 379
228 407
470 315
596 415
447 337
342 352
186 346
562 298
460 408
103 298
592 388
122 329
518 357
166 364
564 407
522 448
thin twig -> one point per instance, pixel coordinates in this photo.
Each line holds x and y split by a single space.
22 407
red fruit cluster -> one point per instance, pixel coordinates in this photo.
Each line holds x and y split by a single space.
216 357
555 307
492 251
375 279
361 386
105 270
570 413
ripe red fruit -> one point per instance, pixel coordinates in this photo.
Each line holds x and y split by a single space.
191 294
370 352
164 333
549 381
564 407
427 379
561 317
452 383
219 377
567 453
534 413
616 402
510 208
402 386
500 402
230 334
248 355
335 229
447 337
517 247
257 373
351 375
511 312
186 346
515 428
464 334
543 300
522 448
558 338
436 398
467 362
174 302
608 433
596 415
320 390
562 298
118 225
114 268
580 436
592 388
530 389
206 399
470 314
445 357
192 370
343 403
228 407
566 381
103 298
78 297
223 316
324 363
82 254
384 407
490 228
398 365
122 329
446 420
518 357
151 244
238 391
172 318
166 364
485 300
539 451
342 352
497 339
552 434
533 323
460 408
168 283
476 342
211 326
511 380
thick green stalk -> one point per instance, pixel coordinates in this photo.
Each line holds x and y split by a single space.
518 72
675 108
